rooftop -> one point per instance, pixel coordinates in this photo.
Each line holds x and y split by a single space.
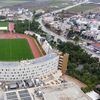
28 62
64 91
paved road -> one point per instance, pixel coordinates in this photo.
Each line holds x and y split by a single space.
1 94
69 7
91 52
52 33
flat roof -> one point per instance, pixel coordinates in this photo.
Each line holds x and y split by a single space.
18 95
62 91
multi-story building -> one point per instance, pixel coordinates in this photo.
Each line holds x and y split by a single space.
43 66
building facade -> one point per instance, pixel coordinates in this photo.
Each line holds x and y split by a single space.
14 71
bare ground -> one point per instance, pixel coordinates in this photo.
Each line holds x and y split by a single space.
79 83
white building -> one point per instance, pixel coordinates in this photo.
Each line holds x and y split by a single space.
4 28
94 34
48 18
61 91
98 37
13 71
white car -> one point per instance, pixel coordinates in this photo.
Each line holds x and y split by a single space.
97 52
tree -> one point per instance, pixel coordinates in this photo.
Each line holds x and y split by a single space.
99 27
70 33
90 74
34 12
62 15
76 39
21 26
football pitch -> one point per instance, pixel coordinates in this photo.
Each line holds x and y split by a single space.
15 50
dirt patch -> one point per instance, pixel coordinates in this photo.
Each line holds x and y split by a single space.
79 83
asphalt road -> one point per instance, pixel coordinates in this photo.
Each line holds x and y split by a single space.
91 52
50 32
62 38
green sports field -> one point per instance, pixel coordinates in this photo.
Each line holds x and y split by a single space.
3 24
15 50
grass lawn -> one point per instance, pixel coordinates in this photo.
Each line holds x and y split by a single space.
15 50
3 24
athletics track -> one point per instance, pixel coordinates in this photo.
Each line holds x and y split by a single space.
32 45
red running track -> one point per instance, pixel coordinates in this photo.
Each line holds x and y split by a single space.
29 39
